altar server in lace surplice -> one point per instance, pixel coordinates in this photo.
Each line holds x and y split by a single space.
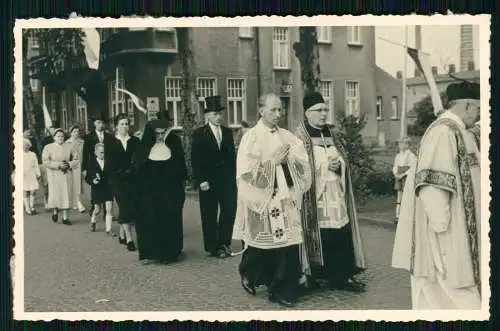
272 174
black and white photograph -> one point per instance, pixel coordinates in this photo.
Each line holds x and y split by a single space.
270 168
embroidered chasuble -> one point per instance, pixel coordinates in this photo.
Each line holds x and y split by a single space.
438 234
269 194
329 204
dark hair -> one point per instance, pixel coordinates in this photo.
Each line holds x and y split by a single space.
120 117
74 127
58 130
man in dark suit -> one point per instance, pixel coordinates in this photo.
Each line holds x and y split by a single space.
98 135
213 159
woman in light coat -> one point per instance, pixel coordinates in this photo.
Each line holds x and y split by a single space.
75 145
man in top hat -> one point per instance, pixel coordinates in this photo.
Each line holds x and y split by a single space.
213 159
332 248
438 236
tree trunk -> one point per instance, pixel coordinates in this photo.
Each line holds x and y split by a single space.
191 112
307 51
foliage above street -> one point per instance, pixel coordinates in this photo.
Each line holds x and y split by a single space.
425 115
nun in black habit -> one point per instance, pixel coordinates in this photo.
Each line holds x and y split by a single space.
162 176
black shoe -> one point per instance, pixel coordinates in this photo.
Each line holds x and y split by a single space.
55 218
250 289
122 241
281 301
350 286
33 212
66 222
92 227
221 253
131 246
227 250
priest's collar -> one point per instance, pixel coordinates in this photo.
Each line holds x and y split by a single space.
316 131
454 117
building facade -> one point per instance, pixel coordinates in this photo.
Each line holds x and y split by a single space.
239 64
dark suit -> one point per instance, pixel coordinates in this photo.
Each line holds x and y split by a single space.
217 166
89 143
100 192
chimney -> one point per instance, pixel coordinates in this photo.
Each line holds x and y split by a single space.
417 73
451 69
466 47
434 70
399 74
470 65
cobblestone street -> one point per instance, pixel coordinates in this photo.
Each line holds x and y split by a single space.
68 268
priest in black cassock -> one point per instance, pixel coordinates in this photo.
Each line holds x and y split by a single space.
332 248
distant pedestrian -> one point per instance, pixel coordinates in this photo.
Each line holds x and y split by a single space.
31 176
213 158
97 177
56 158
162 176
75 144
402 163
123 154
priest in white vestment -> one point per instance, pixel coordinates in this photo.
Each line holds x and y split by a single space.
438 236
272 174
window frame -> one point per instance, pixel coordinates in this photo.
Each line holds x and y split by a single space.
350 34
330 101
176 101
215 89
115 103
319 33
64 110
394 108
81 104
242 99
354 112
246 32
379 104
277 47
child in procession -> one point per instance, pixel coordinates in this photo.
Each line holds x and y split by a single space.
101 194
402 163
31 176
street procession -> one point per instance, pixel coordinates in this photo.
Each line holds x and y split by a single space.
265 187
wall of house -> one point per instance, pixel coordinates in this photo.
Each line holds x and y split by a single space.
388 125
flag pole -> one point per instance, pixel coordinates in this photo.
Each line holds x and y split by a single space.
403 87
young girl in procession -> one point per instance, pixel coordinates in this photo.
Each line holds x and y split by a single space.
402 163
31 176
100 190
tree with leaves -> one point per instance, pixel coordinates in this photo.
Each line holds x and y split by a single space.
307 51
425 115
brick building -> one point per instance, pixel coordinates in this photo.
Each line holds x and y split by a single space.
238 63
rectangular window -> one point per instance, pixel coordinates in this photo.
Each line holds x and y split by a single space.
206 88
130 111
394 104
354 35
64 112
324 34
352 98
33 40
117 100
236 101
380 109
173 98
245 31
327 93
281 48
81 112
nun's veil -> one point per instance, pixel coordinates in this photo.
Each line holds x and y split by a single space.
149 136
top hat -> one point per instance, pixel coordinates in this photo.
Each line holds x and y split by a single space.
312 99
213 103
163 115
98 117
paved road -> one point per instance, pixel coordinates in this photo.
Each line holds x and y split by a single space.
68 268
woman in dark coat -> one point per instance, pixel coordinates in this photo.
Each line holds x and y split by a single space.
124 152
162 177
